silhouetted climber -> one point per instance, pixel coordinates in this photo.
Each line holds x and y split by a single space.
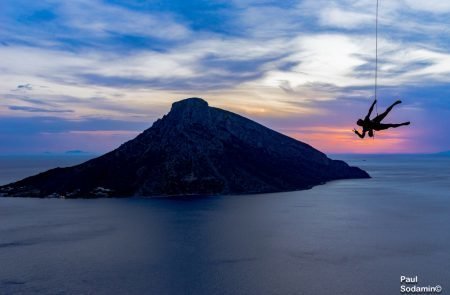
371 125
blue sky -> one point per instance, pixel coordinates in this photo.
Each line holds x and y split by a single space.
90 74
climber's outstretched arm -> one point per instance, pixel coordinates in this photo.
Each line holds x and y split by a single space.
359 134
371 109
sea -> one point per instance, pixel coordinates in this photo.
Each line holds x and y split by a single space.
345 237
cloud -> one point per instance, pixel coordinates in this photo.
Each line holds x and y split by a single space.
100 19
51 124
212 62
25 87
340 18
204 82
37 110
86 24
434 6
27 99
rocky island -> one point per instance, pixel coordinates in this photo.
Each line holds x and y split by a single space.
193 150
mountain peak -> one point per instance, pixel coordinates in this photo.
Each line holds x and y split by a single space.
193 109
190 103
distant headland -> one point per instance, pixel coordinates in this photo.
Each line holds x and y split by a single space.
193 150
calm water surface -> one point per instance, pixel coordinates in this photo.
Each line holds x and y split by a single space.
345 237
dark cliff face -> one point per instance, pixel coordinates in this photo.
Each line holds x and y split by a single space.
193 150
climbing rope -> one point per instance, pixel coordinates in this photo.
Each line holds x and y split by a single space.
376 57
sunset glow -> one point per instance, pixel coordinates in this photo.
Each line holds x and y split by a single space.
342 140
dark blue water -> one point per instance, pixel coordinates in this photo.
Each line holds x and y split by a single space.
345 237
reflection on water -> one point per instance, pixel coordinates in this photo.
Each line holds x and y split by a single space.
345 237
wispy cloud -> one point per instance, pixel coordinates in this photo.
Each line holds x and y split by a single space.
100 19
435 6
340 18
37 110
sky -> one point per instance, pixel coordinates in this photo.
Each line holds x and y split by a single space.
91 74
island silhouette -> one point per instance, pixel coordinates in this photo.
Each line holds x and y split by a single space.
193 150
